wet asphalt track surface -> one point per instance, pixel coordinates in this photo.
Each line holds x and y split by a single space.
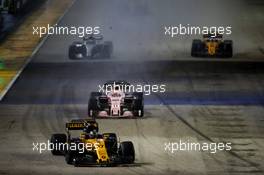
205 101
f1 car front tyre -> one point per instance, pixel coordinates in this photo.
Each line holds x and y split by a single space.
139 105
140 112
69 157
127 152
74 51
57 140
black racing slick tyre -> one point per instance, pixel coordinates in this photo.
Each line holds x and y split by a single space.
74 50
72 53
127 152
92 104
107 49
139 112
196 48
228 49
92 107
69 157
57 141
139 105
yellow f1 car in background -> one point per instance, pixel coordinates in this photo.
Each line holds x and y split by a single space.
91 148
212 46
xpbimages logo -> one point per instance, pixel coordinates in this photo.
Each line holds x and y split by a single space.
49 146
146 89
180 29
174 147
80 31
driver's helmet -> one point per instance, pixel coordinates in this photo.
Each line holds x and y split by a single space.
89 133
92 134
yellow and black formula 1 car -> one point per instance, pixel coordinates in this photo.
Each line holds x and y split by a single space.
91 148
212 46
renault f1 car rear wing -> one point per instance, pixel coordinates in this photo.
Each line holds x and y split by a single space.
80 124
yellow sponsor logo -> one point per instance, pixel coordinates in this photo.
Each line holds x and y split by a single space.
75 125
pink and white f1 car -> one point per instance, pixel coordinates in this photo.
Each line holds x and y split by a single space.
115 101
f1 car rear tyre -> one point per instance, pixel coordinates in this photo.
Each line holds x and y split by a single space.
107 49
92 107
92 104
127 152
56 139
72 52
196 48
228 48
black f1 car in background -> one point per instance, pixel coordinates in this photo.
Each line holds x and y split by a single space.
92 46
212 46
116 101
16 7
97 149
